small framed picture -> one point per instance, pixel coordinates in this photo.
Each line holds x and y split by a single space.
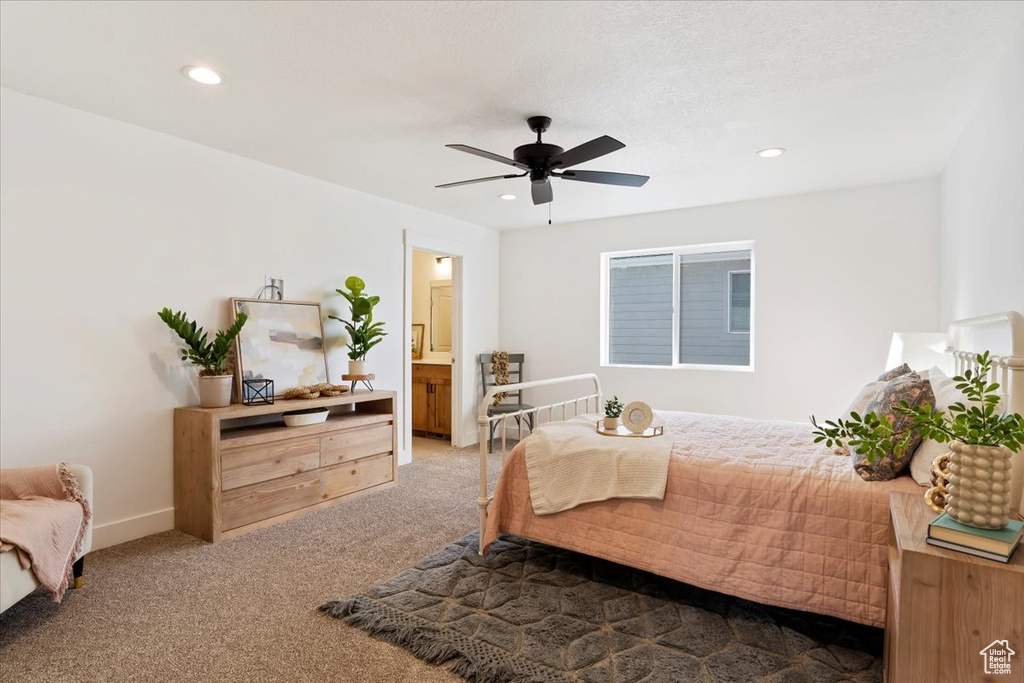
417 341
281 341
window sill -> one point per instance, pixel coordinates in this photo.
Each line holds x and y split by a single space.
687 366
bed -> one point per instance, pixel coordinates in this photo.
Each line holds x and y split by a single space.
753 508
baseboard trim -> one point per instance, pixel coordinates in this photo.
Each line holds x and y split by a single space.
125 530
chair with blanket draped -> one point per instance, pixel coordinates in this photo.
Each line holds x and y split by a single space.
500 368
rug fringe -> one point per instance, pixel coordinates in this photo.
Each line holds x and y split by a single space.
426 643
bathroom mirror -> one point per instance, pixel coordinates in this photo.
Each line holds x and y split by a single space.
441 315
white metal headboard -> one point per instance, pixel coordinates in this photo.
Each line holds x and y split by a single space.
1002 334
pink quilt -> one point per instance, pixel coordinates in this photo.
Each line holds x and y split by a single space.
753 508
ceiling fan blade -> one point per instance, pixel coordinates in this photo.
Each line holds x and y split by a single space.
597 147
481 180
605 178
488 155
541 192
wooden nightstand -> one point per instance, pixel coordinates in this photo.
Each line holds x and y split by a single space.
944 607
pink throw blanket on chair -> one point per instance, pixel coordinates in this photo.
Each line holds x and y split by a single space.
43 517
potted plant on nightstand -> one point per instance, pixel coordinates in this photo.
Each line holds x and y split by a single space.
363 333
210 356
982 443
612 411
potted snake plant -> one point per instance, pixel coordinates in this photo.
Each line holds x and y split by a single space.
209 356
981 443
363 332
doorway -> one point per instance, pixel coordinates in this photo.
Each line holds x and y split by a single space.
434 314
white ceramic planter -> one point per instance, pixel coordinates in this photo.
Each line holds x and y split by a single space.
611 423
357 367
215 391
979 485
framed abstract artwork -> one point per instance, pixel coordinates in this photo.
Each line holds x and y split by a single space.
282 341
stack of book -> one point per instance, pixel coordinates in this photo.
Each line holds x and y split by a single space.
992 544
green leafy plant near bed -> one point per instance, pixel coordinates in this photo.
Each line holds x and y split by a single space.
975 423
209 356
363 332
613 407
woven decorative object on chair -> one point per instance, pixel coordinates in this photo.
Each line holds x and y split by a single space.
499 366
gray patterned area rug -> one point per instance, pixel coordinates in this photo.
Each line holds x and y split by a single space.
531 613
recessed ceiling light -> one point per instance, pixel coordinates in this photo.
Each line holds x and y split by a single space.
202 74
771 152
507 197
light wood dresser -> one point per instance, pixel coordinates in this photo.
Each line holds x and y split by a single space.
239 468
945 607
432 398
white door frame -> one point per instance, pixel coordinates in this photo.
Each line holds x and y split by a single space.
443 246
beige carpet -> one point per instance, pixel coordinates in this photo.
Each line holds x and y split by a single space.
173 608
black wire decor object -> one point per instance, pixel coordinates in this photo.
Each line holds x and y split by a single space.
257 392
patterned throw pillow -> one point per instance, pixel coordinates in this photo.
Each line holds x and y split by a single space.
889 375
915 390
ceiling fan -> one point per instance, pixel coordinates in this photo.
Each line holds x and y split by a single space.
542 161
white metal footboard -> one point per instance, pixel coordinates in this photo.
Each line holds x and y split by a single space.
554 411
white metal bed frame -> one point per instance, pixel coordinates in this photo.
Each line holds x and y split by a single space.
1001 333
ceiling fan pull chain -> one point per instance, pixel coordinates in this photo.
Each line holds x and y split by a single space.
549 213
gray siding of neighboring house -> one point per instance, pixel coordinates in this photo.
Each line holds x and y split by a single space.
704 337
640 314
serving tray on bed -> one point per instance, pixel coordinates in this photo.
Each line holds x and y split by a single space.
657 428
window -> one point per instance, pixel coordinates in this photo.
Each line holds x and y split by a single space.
680 307
739 301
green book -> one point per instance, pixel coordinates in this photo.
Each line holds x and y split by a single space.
999 541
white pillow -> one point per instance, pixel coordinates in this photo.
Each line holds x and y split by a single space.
946 394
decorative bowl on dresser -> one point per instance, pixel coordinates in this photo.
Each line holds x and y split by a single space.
239 468
944 607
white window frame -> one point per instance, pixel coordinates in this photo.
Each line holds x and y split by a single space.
728 300
677 251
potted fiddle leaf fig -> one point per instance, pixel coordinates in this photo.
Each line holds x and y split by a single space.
612 411
209 356
981 443
363 332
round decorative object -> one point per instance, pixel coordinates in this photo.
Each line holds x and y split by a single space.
299 418
637 416
979 485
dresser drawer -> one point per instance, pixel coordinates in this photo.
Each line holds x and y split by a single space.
356 476
253 464
267 499
352 444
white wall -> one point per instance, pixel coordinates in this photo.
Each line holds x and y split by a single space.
836 274
104 223
982 201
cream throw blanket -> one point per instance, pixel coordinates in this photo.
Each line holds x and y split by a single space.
569 463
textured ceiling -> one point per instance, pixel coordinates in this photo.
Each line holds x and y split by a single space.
367 94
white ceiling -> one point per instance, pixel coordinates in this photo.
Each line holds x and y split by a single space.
367 94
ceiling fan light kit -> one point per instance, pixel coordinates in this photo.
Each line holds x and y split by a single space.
542 161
